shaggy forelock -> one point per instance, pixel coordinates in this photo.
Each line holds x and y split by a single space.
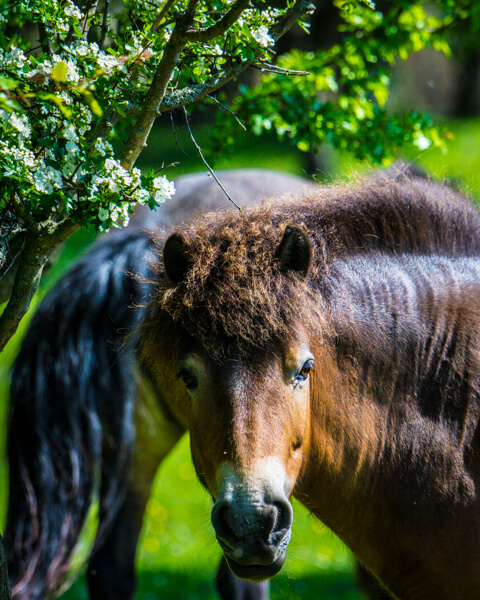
234 291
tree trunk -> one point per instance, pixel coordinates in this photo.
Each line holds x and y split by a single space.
5 593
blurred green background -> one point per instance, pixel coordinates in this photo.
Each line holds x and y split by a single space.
178 555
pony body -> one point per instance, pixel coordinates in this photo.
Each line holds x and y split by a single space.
324 346
329 346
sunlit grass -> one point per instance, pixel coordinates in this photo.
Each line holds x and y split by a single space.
460 163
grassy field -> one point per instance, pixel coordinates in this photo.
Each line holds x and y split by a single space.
178 555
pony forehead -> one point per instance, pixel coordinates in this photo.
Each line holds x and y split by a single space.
233 296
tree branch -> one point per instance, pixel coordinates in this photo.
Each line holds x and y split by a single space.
33 258
163 13
149 111
5 593
301 7
220 27
158 100
178 98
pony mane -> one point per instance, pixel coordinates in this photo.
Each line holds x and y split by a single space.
234 292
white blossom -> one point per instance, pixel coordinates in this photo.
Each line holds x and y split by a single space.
62 25
72 11
72 72
102 147
141 196
103 214
14 58
114 212
111 164
162 189
54 177
262 37
68 169
109 63
68 132
20 123
421 141
71 147
83 48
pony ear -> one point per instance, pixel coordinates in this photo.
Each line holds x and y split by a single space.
294 251
176 258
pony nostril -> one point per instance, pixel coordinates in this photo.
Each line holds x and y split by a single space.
276 520
284 516
267 523
221 521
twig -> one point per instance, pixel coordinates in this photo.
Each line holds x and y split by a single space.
104 28
268 67
164 166
175 133
207 165
229 111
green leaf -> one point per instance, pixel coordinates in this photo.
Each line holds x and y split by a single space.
7 83
381 95
66 112
93 103
59 72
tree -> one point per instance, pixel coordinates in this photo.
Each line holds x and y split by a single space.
77 76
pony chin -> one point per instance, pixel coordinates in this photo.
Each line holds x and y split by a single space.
256 573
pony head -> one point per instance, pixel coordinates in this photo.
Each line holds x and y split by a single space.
228 343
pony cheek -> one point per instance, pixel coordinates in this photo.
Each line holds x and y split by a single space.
205 466
297 442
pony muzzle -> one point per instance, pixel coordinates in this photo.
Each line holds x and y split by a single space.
253 527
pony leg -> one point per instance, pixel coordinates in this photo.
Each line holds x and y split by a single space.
111 572
233 588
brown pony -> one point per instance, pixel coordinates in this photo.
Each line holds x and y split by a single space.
328 348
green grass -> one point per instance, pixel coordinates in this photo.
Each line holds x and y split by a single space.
178 555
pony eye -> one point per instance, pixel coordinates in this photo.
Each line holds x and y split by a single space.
188 379
304 371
